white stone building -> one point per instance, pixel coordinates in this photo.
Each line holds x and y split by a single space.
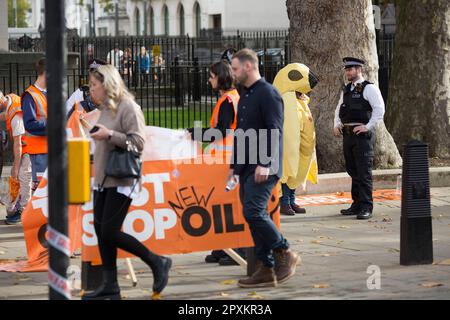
181 17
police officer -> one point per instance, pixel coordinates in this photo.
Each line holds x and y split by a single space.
360 108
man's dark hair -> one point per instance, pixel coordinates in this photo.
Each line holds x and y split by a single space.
40 66
245 55
224 75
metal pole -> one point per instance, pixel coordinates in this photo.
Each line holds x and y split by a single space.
59 243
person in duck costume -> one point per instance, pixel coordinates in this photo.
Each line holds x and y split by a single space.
293 82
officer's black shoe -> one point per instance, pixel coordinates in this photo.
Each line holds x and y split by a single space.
364 215
349 212
108 290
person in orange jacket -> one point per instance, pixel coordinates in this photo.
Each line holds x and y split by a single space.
21 168
34 109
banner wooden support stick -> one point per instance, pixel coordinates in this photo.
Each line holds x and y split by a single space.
236 257
131 271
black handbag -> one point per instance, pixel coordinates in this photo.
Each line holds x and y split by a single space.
124 163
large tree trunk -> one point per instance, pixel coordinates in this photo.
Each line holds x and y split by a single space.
419 90
322 32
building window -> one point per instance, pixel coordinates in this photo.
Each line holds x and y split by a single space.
181 19
217 21
152 22
166 20
137 19
197 19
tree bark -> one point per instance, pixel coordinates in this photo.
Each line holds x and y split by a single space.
419 90
322 32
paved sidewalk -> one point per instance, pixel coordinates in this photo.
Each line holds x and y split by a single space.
336 252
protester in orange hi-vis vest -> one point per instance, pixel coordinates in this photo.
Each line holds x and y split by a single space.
34 108
20 179
223 119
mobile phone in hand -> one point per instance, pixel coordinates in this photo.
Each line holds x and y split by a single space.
94 129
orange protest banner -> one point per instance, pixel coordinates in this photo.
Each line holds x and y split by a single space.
182 208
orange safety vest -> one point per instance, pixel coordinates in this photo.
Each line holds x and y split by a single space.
226 144
37 144
11 111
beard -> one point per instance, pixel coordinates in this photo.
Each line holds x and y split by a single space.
242 79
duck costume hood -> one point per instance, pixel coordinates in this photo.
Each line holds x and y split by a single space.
293 82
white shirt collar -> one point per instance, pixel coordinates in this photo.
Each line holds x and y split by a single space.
360 80
40 89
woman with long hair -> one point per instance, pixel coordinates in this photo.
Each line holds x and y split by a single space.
121 121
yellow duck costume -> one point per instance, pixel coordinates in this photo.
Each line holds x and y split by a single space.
299 136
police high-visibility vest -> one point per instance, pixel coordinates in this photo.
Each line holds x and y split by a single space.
37 144
226 144
14 109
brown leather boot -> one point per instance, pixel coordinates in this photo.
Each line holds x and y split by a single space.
285 209
263 277
297 208
285 263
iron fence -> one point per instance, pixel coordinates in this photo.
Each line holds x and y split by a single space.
174 92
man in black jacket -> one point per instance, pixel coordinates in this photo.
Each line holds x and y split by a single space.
257 160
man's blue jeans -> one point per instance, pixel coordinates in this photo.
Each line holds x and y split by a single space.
254 198
288 196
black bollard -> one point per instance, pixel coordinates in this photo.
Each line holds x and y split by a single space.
416 240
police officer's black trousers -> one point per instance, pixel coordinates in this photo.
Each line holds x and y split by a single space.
358 153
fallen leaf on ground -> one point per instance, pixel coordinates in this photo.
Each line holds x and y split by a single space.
344 227
23 278
321 286
255 295
340 193
387 220
315 230
316 241
226 282
223 294
5 261
326 255
431 284
394 250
